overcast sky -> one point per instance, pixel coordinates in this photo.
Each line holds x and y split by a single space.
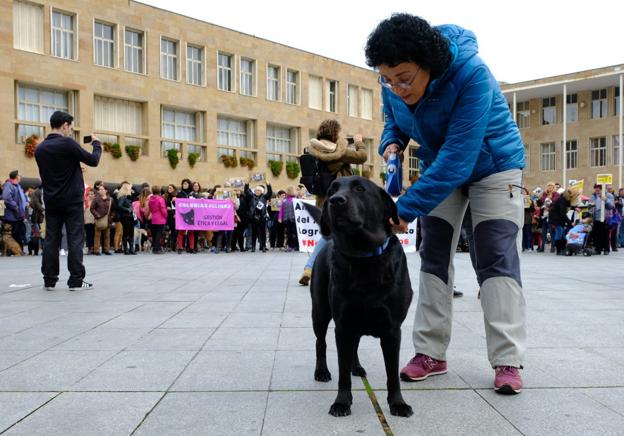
520 40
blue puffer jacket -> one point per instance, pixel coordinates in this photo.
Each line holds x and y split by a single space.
462 123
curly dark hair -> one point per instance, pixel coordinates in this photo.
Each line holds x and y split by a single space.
328 130
408 38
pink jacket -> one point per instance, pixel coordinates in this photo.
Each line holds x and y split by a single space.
158 208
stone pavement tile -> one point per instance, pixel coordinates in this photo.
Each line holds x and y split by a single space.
372 361
556 411
38 338
243 339
299 301
262 302
77 320
102 338
299 319
14 307
306 413
446 412
23 321
242 319
302 338
206 413
51 370
577 367
16 405
613 398
10 358
85 413
172 339
614 354
189 319
136 371
227 371
294 370
136 319
205 305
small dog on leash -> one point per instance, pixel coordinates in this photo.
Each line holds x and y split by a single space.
9 244
138 235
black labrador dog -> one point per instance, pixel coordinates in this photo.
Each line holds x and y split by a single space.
360 279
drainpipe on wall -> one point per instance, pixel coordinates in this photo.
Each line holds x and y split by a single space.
564 182
620 138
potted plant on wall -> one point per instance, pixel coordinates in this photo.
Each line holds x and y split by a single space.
133 151
247 162
116 150
30 144
292 169
382 174
174 158
276 167
192 159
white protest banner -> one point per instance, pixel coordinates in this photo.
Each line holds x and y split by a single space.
308 232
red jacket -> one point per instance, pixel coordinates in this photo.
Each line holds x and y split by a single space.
158 208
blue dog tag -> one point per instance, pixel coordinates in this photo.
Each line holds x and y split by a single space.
394 175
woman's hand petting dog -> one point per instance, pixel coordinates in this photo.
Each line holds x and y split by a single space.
399 228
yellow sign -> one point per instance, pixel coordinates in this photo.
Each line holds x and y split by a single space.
579 184
604 179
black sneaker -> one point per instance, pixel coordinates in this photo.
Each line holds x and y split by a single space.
84 286
50 287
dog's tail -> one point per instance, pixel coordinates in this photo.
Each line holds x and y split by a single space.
314 212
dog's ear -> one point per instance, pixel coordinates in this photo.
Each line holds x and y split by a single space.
390 206
325 222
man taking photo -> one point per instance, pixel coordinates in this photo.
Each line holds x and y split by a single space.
58 158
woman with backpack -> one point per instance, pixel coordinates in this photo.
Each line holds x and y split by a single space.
335 153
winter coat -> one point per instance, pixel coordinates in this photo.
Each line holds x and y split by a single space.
258 203
287 210
558 215
337 157
100 206
124 207
13 197
158 209
462 124
36 204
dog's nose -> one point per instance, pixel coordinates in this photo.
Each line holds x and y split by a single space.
337 200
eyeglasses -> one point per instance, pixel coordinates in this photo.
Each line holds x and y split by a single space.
400 85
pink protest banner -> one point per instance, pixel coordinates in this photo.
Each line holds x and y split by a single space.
196 214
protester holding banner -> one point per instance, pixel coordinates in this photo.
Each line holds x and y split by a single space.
185 192
258 202
600 234
439 93
286 217
332 148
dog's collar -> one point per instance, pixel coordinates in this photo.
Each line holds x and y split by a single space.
377 252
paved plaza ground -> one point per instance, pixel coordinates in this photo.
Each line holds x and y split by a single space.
222 345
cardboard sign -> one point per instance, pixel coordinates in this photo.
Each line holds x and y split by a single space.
604 179
196 214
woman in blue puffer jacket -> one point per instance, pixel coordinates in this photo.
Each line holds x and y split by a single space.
437 92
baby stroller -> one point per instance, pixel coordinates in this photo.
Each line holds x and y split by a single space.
578 240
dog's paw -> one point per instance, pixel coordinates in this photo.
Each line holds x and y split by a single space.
401 409
340 409
358 371
322 375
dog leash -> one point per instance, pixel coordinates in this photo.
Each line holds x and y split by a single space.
377 252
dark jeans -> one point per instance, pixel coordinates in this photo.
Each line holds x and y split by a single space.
291 235
239 235
527 237
157 230
258 232
90 235
127 243
600 237
73 218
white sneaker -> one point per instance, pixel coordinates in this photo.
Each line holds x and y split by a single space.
63 253
83 287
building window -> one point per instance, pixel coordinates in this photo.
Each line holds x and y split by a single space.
523 115
598 151
599 103
280 141
547 156
315 93
352 101
292 87
63 35
616 149
194 65
133 44
247 76
413 164
178 127
35 106
120 118
28 26
571 154
168 59
232 133
104 44
224 67
616 101
549 111
367 104
273 83
571 108
331 102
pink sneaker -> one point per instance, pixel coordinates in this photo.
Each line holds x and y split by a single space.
422 366
507 380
